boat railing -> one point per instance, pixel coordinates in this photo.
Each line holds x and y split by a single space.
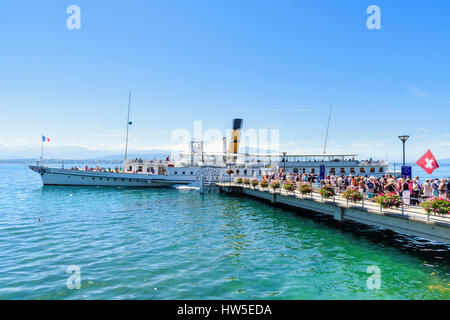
148 162
373 163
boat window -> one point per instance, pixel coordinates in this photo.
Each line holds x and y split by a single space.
295 170
184 172
352 170
333 170
342 170
93 178
245 172
192 172
237 171
130 180
313 170
381 169
362 170
176 172
372 169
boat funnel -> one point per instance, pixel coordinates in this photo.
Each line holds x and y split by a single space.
235 136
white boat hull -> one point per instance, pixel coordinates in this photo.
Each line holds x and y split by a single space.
68 177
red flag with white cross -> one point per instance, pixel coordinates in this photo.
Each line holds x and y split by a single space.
428 162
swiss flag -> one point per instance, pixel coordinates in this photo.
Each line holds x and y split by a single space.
428 162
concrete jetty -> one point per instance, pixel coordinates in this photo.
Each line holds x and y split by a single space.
411 221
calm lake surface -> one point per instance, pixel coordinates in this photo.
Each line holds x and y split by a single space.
178 244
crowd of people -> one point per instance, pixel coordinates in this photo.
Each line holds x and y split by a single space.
413 188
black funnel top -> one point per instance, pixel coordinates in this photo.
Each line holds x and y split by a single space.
237 124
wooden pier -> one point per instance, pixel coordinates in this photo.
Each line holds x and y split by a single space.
413 221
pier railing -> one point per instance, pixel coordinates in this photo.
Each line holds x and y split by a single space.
413 209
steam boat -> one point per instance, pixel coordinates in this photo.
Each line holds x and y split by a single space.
196 165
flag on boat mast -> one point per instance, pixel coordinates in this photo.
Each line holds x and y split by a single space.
43 140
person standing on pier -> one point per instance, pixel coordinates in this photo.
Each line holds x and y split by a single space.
448 188
428 189
442 189
435 185
371 187
415 186
404 191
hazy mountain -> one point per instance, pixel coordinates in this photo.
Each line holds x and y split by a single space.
80 153
159 154
76 153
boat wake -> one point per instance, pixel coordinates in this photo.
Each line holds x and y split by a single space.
186 188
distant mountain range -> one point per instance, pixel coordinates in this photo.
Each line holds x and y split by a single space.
158 154
78 153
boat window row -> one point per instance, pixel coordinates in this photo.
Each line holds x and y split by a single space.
341 170
246 172
141 169
113 179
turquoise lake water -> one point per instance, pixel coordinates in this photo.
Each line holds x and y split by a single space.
178 244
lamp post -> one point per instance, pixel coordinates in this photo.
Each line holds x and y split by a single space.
403 139
284 161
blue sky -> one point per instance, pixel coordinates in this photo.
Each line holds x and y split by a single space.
276 64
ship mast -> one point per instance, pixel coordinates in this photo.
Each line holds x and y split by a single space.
326 136
128 126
